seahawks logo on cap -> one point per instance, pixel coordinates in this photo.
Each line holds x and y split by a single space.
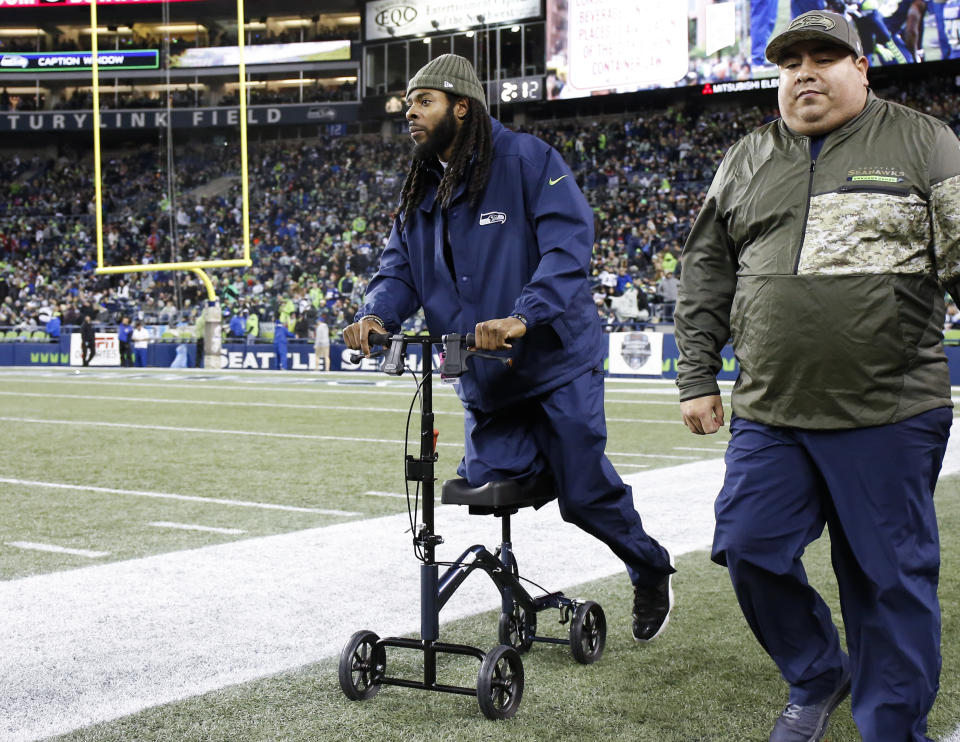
813 19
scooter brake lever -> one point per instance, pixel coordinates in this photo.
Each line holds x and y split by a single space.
357 357
480 354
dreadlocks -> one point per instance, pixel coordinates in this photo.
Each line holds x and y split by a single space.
473 144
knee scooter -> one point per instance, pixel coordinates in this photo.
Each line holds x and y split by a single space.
500 680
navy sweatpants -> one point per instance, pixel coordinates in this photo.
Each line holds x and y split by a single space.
565 432
874 488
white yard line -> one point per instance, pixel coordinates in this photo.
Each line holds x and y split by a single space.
674 457
220 431
694 448
330 387
33 546
215 403
955 737
169 496
134 634
290 405
378 493
210 431
193 527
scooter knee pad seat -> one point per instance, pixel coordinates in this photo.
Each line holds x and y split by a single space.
499 498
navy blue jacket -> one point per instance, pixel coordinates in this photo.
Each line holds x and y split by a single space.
123 332
280 335
525 248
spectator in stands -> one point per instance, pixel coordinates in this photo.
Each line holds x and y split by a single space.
952 319
667 288
510 198
124 331
53 326
252 325
841 418
238 326
88 340
141 341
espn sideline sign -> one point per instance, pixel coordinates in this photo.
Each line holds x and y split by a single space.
107 345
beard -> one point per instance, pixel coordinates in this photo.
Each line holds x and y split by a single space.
439 139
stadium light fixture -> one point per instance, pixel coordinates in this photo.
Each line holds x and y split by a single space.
181 28
294 22
22 32
106 30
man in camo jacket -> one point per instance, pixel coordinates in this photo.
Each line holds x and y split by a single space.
823 250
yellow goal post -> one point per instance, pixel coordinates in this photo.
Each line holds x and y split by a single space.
196 266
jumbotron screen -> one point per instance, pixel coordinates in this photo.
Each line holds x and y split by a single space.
596 47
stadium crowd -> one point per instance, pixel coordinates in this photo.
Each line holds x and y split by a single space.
321 211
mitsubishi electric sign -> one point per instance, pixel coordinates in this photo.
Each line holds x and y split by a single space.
392 18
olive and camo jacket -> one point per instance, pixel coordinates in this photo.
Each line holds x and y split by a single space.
828 275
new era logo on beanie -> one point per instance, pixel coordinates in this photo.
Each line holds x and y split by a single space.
450 73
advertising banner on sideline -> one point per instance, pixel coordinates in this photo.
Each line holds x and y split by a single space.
108 350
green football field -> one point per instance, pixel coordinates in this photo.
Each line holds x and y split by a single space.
183 554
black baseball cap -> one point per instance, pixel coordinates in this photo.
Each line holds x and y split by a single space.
816 25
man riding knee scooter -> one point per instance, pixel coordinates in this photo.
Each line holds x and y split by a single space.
493 236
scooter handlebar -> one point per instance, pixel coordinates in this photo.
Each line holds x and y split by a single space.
382 338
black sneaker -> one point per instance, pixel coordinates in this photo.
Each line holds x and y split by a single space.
809 723
651 608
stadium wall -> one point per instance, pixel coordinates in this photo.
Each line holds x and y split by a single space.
261 356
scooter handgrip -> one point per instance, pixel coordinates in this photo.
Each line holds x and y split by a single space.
470 340
378 338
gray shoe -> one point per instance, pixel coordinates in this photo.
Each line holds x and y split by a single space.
809 723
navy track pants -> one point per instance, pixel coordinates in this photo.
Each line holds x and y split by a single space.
874 488
565 432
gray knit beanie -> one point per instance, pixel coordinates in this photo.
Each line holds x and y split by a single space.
450 73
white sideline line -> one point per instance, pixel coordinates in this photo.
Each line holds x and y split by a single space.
259 606
212 431
215 403
955 737
329 387
168 496
694 448
675 457
290 405
206 387
32 546
644 421
251 433
192 527
378 493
